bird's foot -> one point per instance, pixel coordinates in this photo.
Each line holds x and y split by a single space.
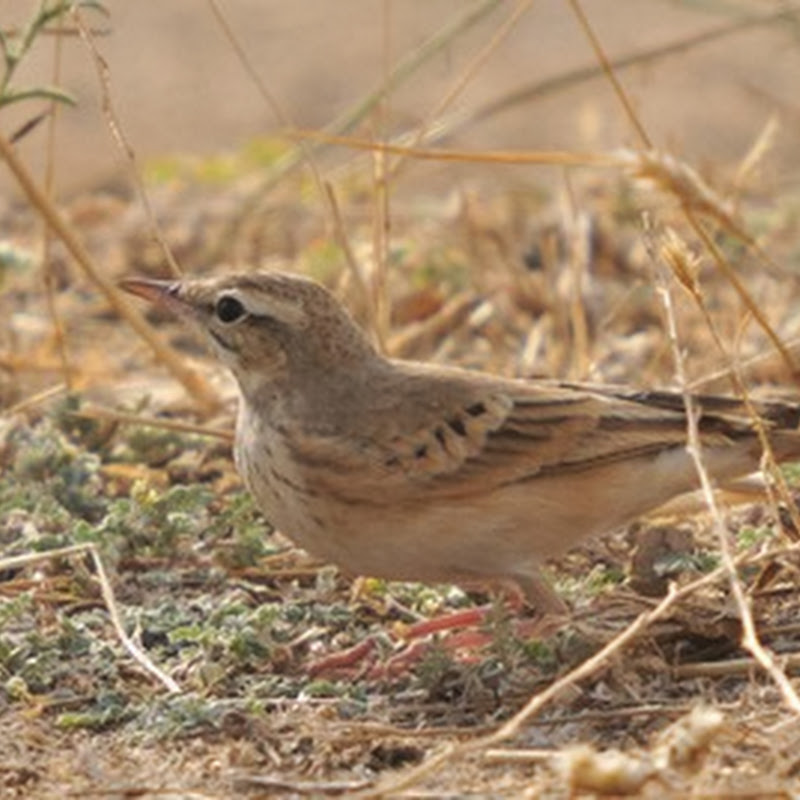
467 633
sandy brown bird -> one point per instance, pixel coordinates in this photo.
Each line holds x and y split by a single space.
420 472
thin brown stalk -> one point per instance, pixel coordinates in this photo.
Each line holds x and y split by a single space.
779 487
537 703
527 756
112 415
767 360
741 290
750 639
472 69
499 103
194 384
611 74
763 144
578 226
381 229
340 234
686 206
406 68
510 157
59 333
583 671
733 666
674 253
381 196
267 96
108 598
113 611
118 134
34 400
411 339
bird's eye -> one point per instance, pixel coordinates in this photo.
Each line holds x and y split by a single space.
229 309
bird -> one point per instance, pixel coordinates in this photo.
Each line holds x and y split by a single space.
421 472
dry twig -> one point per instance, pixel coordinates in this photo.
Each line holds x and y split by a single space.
750 639
121 140
193 383
108 598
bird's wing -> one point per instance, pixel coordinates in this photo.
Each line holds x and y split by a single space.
526 433
484 435
532 430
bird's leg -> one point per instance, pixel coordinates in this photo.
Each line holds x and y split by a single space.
344 661
539 593
468 618
463 635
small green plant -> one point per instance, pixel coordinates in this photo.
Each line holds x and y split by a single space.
14 46
107 710
791 472
750 536
150 521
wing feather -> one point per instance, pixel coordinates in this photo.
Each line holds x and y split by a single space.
474 435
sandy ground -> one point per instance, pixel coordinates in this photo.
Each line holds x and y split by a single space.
178 87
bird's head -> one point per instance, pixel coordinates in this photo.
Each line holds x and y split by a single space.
265 326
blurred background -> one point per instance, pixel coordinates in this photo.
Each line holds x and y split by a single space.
178 86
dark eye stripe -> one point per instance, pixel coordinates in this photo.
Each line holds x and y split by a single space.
220 341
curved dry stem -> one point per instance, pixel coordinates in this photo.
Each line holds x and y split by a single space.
108 598
750 639
194 384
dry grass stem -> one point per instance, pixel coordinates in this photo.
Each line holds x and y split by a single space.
194 384
771 360
678 179
343 240
381 224
778 486
36 399
762 146
502 756
744 294
413 338
91 411
267 96
49 181
508 157
538 702
750 640
107 592
586 669
277 783
684 266
610 73
789 662
121 140
359 112
694 195
469 117
462 81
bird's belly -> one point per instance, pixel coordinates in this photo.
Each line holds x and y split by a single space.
493 534
406 533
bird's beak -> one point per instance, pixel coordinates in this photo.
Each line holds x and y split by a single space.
161 293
